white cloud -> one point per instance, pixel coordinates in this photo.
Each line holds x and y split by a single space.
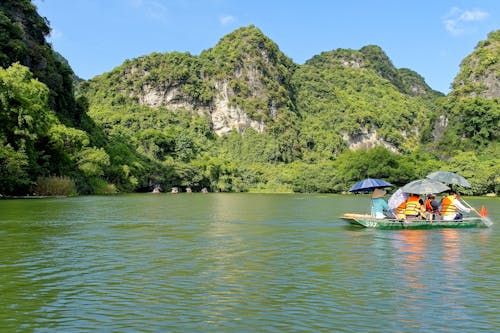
227 19
457 21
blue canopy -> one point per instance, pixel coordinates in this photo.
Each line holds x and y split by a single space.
369 184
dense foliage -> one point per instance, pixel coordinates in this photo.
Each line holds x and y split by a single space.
342 116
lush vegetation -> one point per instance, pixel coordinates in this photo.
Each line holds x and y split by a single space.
150 120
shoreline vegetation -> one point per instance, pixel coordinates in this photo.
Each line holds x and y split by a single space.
10 197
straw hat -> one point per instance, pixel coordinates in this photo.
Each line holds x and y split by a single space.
378 193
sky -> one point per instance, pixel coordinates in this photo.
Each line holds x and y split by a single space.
431 37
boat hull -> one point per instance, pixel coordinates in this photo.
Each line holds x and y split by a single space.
366 221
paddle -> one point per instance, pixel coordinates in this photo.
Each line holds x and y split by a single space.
486 220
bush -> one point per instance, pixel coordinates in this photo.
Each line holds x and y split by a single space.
100 186
48 186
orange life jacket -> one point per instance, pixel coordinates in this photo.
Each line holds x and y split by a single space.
412 206
400 210
447 206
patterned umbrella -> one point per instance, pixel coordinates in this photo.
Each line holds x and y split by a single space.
369 184
397 198
449 178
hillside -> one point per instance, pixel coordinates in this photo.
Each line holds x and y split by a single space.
241 116
42 126
245 81
471 116
480 71
360 100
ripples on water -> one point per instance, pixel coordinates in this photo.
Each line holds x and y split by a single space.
237 263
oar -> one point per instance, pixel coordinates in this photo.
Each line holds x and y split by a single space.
486 220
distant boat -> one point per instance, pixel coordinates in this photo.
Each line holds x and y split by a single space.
175 190
157 189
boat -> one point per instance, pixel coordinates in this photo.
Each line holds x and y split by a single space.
367 221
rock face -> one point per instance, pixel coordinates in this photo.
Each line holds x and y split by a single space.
171 97
226 118
366 140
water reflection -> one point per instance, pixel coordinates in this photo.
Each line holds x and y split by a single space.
411 245
451 253
434 280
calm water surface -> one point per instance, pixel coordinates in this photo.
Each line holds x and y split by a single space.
238 263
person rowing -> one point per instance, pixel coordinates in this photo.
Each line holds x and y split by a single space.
452 208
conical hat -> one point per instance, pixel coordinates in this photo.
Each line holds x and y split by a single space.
378 193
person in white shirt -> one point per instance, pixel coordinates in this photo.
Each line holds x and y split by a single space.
451 207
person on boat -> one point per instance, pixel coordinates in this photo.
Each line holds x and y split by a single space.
414 208
379 204
400 211
432 207
452 208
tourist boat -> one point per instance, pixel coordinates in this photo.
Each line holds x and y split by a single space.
367 221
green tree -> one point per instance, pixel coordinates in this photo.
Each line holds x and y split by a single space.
25 118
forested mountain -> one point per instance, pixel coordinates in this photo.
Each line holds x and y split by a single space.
359 100
241 116
244 81
472 111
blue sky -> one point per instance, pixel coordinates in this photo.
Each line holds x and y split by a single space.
430 37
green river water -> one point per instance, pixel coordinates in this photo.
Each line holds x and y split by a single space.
238 263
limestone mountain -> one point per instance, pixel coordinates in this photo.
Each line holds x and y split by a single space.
405 80
361 100
244 81
472 112
479 74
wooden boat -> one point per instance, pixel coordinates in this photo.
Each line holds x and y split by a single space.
367 221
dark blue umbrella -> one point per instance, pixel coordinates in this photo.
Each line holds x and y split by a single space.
369 184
